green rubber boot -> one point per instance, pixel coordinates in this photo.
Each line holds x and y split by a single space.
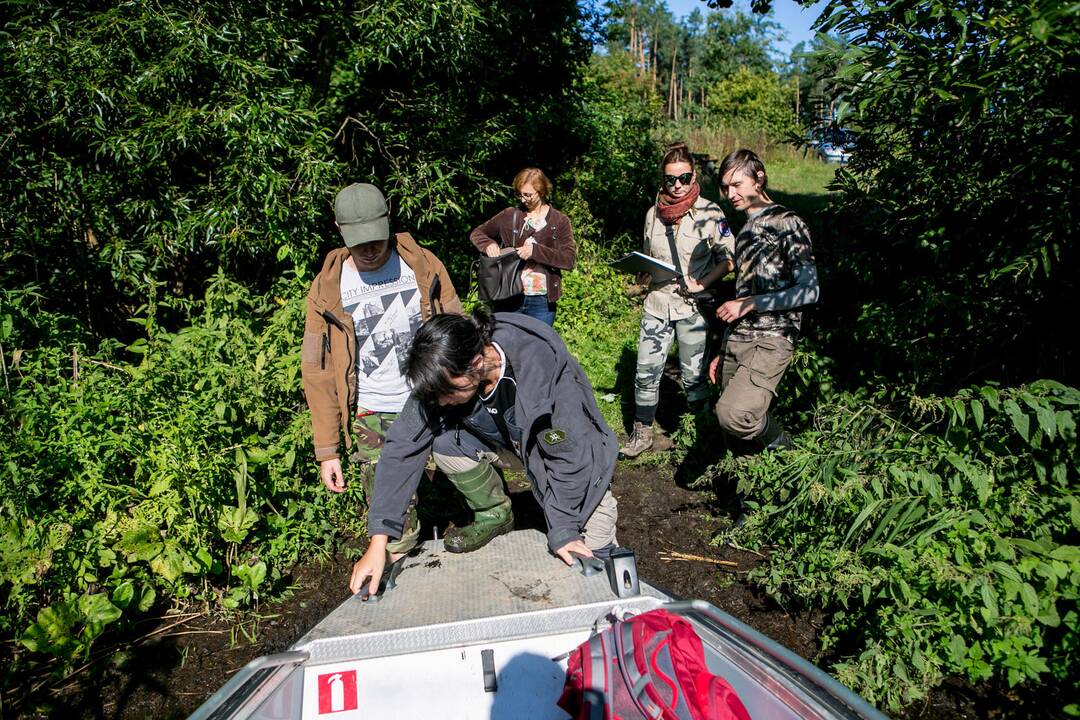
483 490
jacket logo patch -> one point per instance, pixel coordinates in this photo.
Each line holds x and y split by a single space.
553 436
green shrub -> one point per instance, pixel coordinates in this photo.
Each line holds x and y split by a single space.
943 540
183 474
615 175
754 99
957 208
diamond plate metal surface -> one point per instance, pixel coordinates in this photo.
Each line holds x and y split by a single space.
514 598
511 588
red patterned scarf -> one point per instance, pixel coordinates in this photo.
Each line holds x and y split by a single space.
671 209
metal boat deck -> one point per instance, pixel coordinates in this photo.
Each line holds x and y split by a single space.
482 635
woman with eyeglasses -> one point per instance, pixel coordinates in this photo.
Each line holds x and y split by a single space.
541 236
689 232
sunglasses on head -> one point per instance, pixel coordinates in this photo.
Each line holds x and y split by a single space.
669 180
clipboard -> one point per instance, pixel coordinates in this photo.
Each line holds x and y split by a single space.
636 262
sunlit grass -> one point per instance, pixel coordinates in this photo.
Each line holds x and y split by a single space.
792 171
798 175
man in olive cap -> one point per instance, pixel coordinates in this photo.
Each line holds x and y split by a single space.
362 312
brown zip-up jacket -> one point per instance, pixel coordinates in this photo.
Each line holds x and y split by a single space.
553 252
328 355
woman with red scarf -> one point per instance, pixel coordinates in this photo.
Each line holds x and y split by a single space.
690 233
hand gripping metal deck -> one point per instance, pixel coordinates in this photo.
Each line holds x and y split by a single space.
511 587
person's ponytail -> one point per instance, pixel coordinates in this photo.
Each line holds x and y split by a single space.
444 348
676 152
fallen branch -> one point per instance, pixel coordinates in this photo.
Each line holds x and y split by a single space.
687 557
196 632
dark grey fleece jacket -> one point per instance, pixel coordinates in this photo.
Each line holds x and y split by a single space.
570 467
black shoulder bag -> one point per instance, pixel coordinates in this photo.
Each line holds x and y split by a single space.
499 277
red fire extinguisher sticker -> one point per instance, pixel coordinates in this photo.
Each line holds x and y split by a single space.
337 692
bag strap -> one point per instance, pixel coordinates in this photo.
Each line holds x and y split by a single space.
680 283
598 663
635 680
474 279
675 260
435 296
671 246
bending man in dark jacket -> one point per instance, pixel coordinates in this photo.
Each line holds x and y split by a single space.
502 389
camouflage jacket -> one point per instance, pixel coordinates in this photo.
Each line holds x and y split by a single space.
771 250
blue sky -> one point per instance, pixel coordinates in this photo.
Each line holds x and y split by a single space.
794 18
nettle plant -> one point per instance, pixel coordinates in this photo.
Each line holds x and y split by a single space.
943 539
179 475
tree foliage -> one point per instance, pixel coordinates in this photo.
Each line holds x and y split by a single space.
755 99
961 197
158 141
166 178
736 40
168 171
683 60
152 142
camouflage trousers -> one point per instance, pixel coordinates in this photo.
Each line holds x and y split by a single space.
369 436
654 342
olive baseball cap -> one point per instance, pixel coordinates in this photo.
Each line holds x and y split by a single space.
360 211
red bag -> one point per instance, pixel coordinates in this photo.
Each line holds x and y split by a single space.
650 666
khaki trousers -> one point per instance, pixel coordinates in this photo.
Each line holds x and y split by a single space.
750 372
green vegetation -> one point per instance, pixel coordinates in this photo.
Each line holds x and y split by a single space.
168 172
959 205
941 533
165 199
936 522
180 475
754 99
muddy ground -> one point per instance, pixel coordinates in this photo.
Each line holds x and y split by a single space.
171 673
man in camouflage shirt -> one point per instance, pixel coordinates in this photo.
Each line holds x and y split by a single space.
775 277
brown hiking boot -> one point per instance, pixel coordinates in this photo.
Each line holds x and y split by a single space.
640 440
661 441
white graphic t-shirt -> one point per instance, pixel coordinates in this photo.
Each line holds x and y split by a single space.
385 307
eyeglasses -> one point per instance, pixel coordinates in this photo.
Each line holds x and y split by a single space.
527 196
685 178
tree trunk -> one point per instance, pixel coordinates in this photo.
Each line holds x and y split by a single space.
673 87
655 56
796 98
